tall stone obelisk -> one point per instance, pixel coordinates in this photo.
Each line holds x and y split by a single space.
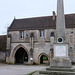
60 22
60 64
60 46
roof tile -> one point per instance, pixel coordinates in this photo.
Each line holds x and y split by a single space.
40 23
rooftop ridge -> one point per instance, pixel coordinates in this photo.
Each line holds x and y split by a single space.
41 16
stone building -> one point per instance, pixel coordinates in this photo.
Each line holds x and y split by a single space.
30 39
3 42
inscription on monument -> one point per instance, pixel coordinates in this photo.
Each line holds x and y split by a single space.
60 50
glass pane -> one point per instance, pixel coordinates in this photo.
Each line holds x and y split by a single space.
22 34
41 33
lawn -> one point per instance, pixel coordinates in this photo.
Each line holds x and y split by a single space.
31 73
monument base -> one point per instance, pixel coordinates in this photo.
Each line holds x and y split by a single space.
56 71
61 62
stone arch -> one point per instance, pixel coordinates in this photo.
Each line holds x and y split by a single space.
41 56
13 52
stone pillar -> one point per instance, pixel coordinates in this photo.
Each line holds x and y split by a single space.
8 50
31 50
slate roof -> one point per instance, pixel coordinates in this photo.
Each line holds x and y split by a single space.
38 23
3 40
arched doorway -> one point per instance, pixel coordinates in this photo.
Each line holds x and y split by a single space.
43 59
21 56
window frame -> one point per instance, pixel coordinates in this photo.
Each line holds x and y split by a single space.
42 34
21 34
52 34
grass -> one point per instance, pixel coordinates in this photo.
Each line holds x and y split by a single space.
31 73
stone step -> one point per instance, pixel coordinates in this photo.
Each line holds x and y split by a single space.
61 69
56 73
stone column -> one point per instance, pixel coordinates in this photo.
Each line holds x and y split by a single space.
31 50
8 48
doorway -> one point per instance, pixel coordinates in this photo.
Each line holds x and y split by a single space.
21 56
43 59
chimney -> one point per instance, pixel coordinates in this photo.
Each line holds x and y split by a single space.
53 15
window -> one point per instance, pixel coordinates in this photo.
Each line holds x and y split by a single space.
27 34
32 35
52 34
71 32
41 33
22 34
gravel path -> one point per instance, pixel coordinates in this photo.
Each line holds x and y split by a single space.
18 69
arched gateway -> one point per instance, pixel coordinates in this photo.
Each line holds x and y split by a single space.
43 58
20 55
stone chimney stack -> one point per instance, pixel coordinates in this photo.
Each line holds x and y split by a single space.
53 15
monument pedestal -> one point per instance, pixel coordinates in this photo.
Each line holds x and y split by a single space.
61 56
56 71
61 63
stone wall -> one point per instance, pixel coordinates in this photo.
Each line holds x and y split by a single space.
72 54
2 56
40 45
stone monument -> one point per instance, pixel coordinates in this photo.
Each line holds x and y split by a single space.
60 64
60 46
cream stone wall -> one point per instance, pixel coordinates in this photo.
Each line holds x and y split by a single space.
41 46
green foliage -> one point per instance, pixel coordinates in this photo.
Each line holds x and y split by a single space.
31 73
25 61
2 61
45 58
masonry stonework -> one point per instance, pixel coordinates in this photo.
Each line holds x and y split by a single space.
36 46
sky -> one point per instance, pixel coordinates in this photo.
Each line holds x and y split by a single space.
28 9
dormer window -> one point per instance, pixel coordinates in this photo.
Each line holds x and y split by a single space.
21 34
41 33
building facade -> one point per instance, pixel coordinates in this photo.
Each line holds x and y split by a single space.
30 40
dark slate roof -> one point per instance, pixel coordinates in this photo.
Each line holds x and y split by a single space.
38 23
3 40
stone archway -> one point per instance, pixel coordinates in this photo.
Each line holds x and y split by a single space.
21 56
43 58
